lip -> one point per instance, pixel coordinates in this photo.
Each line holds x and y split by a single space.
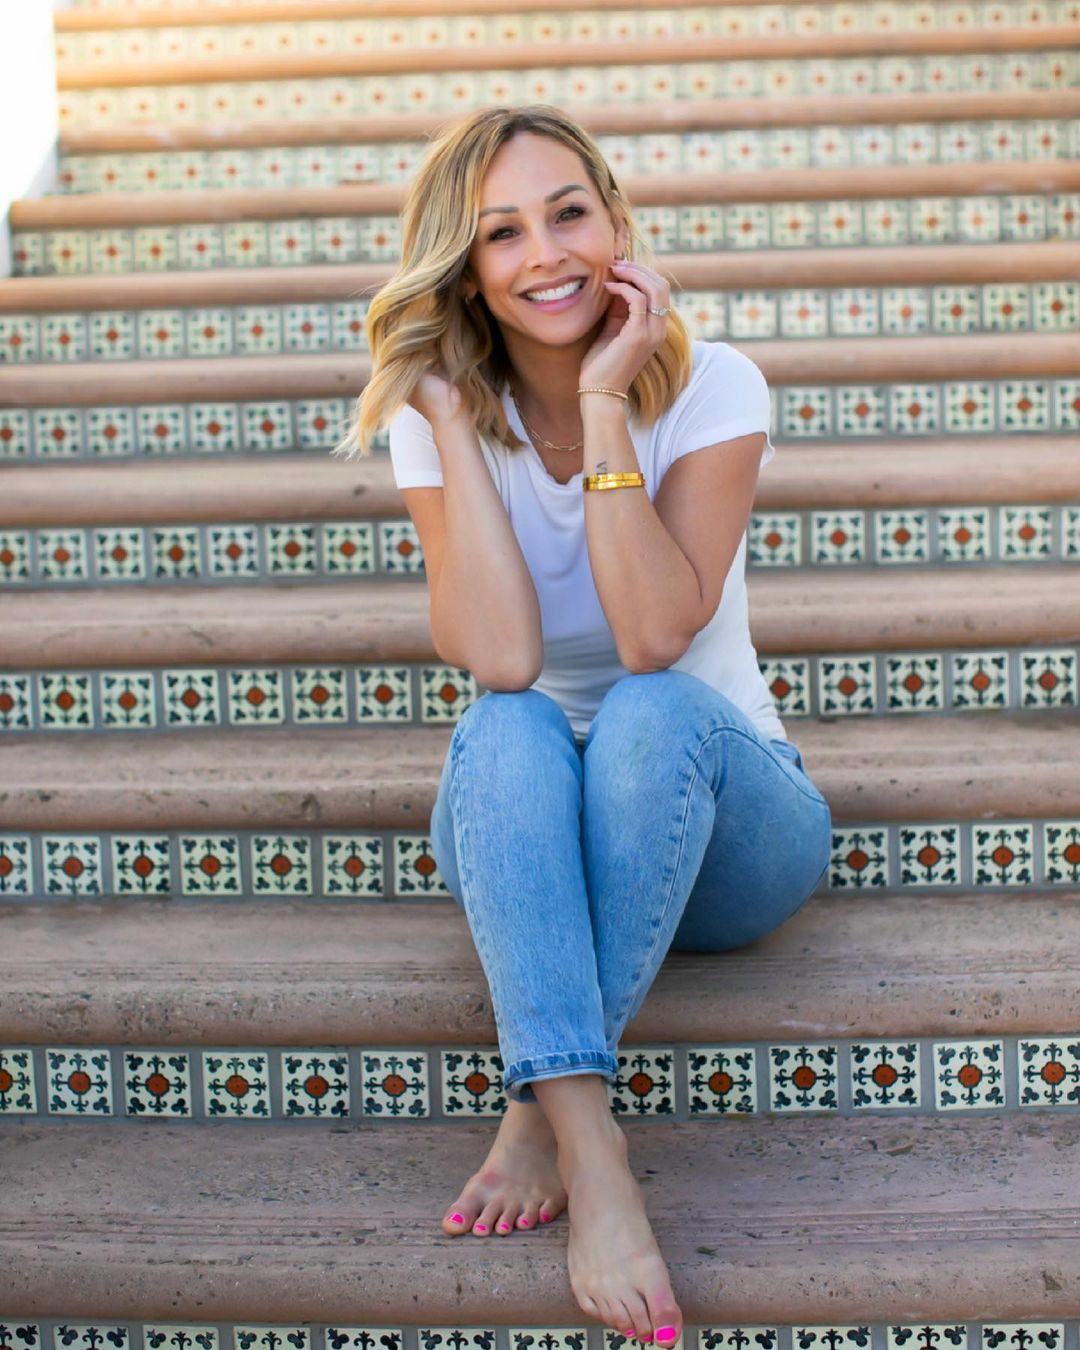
550 285
557 306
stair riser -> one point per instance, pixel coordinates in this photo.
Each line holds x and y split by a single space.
859 684
921 1076
458 91
886 221
241 552
292 862
867 311
325 165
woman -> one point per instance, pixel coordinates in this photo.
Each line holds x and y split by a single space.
625 786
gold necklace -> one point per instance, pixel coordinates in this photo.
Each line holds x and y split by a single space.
565 449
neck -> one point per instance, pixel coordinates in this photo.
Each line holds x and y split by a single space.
545 380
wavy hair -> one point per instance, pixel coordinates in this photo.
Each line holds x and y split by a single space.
418 319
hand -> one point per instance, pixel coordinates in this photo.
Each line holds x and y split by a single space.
630 333
435 398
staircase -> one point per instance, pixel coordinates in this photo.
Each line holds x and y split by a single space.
247 1054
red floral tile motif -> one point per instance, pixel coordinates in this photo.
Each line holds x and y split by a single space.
930 855
860 858
1013 1336
721 1080
969 1074
847 684
353 866
901 536
885 1074
347 548
472 1083
15 704
644 1084
1048 678
281 865
110 431
140 864
383 694
236 1084
803 1078
1002 855
65 700
256 696
319 696
315 1083
210 865
191 698
16 866
79 1082
738 1338
290 549
980 680
176 553
415 869
938 1337
128 699
18 1089
157 1084
789 684
1061 849
839 537
775 540
1049 1072
396 1083
915 683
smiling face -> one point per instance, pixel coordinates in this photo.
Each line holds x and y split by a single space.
541 242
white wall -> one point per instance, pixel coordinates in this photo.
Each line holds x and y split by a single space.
28 123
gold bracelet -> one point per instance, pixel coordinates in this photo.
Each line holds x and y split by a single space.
597 389
601 482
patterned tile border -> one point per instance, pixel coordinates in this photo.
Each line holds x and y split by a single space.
186 43
178 699
257 553
63 1334
864 311
688 1082
742 150
909 857
799 414
732 227
453 91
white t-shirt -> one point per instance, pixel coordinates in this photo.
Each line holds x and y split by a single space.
726 396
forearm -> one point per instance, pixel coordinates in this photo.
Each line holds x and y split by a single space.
647 587
485 608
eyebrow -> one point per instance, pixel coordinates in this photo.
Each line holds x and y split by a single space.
559 192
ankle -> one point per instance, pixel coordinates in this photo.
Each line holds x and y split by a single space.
587 1147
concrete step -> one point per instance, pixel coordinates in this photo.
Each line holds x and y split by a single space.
317 972
878 473
979 767
956 1218
387 620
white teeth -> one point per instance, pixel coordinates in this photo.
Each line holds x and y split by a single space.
558 294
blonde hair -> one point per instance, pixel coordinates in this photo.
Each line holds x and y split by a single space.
419 319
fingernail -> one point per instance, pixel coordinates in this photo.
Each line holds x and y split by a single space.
457 1218
480 1227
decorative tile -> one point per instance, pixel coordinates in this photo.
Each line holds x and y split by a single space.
831 1338
290 550
396 1083
415 869
79 1082
15 708
930 855
964 534
400 547
15 434
1049 1071
938 1337
281 865
1061 849
160 430
191 698
91 1336
789 684
266 426
885 1074
118 553
721 1080
236 1084
210 864
128 698
72 864
847 684
319 696
18 1089
16 865
839 537
1048 678
915 683
471 1083
348 548
214 427
110 431
980 680
775 540
383 694
1025 532
1012 1336
644 1084
177 552
969 1074
860 858
315 1083
445 693
140 864
1002 854
803 1078
256 697
901 536
64 701
161 1336
233 550
353 865
157 1083
61 555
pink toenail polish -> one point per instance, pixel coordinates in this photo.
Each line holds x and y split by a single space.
457 1218
523 1222
665 1333
545 1218
504 1228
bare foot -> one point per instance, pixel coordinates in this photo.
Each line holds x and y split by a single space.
616 1270
518 1185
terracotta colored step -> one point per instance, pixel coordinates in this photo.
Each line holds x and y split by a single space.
831 361
947 472
614 119
310 974
870 609
970 766
117 209
803 1221
927 264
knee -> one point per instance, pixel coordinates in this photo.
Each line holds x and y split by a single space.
499 715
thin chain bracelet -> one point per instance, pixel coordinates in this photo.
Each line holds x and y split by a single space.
596 389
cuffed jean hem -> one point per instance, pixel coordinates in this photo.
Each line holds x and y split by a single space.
555 1066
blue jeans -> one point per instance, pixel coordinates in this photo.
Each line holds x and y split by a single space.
676 824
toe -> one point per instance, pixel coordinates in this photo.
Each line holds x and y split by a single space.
487 1218
459 1218
507 1219
549 1210
666 1319
529 1216
638 1315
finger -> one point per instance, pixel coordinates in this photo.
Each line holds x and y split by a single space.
645 277
636 300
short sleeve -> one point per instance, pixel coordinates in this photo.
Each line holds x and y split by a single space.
727 397
413 452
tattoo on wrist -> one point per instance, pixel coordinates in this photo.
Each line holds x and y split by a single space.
602 466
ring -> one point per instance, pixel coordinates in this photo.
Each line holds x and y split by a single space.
659 312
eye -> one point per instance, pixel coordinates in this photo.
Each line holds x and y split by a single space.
579 210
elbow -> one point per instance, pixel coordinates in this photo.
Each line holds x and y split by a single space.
658 657
505 682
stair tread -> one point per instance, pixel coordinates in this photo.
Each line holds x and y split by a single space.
382 619
977 765
775 1220
861 475
319 973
